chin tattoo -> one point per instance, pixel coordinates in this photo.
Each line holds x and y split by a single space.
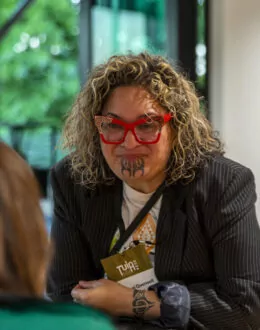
132 167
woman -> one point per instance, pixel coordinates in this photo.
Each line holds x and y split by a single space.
136 131
24 253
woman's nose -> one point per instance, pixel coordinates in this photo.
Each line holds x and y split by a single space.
130 141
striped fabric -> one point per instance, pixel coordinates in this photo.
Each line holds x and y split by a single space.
211 243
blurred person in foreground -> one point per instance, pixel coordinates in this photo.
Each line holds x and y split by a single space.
136 134
24 254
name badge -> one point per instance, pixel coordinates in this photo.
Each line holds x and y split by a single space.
131 268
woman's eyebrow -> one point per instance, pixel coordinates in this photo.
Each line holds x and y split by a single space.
147 114
111 114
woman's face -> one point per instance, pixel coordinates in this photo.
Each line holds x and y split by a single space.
135 163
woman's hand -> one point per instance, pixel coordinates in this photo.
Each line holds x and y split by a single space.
106 295
114 299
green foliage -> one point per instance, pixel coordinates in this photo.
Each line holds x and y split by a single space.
38 60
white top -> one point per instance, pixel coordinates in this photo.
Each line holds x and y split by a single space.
133 202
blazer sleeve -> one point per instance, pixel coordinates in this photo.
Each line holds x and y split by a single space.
71 260
233 301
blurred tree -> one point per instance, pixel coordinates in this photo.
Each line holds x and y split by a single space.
38 60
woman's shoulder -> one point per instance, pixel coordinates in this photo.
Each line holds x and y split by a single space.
223 168
62 179
62 169
218 174
41 315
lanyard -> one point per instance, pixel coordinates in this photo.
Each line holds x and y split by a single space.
138 219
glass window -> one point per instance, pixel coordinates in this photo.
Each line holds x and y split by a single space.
127 25
201 54
201 48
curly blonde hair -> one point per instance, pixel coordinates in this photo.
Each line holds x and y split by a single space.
194 144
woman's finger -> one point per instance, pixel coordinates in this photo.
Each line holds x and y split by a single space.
89 284
79 295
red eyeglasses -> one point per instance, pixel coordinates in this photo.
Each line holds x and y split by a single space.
146 130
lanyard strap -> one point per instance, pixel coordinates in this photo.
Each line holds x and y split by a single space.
138 219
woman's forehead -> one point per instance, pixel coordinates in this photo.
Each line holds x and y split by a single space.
131 103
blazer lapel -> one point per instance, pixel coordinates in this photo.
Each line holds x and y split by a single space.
100 219
171 233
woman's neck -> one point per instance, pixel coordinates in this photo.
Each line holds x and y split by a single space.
146 186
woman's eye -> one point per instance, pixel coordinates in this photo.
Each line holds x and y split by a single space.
148 126
114 126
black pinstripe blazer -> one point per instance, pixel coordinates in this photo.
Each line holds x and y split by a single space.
211 243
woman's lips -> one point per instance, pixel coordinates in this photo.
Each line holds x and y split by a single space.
132 156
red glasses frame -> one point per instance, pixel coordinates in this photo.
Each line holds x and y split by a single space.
128 127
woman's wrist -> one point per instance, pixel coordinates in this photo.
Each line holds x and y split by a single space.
139 304
154 312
